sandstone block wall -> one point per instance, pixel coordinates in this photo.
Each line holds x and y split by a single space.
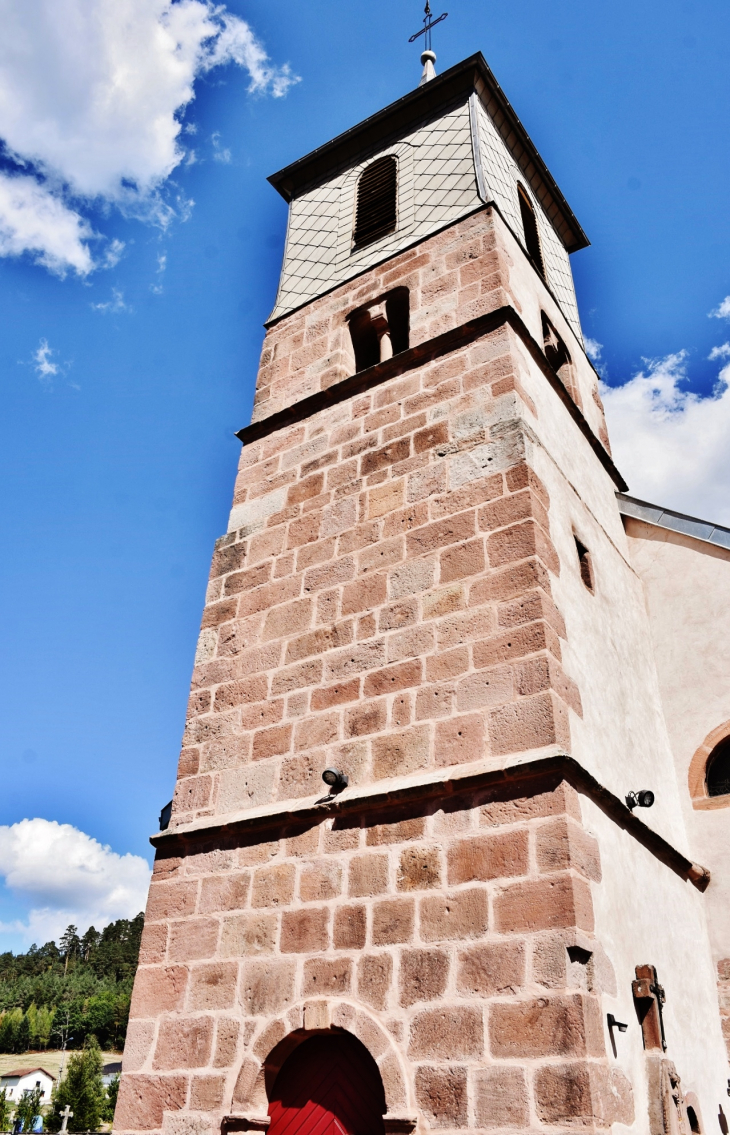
470 268
394 613
383 601
456 944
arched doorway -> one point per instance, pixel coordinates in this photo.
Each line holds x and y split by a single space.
330 1085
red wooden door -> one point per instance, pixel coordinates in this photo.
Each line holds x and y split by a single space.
330 1085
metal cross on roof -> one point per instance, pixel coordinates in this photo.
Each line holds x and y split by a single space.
428 23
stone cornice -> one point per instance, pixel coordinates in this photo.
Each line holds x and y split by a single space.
417 356
531 769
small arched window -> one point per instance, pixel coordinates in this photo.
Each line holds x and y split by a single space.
377 201
694 1123
529 225
718 769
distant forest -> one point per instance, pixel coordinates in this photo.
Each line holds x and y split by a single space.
80 987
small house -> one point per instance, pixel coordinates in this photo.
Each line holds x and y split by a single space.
27 1080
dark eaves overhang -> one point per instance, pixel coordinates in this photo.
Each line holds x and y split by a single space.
418 106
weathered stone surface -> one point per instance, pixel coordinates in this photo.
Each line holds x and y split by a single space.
442 1095
447 1033
423 975
213 986
183 1043
501 1098
546 1026
267 986
460 915
143 1100
491 969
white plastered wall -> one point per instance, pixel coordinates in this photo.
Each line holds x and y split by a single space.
645 913
687 592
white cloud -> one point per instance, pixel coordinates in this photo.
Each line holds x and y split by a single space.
157 288
722 311
593 348
91 95
670 443
722 352
114 306
35 220
68 877
41 360
219 155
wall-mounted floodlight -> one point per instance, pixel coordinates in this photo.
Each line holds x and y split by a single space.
643 799
165 817
614 1024
335 780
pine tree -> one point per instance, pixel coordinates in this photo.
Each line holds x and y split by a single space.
44 1025
69 944
89 942
4 1110
32 1015
21 1041
83 1089
8 1029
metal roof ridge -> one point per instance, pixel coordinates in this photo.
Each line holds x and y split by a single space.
693 526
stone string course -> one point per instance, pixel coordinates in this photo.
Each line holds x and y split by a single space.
439 939
383 602
457 275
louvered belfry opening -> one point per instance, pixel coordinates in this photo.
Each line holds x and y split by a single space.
377 198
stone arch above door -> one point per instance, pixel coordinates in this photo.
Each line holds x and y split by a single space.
276 1041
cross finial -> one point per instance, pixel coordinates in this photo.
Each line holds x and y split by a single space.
67 1114
428 57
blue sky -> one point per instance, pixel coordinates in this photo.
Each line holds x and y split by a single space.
128 355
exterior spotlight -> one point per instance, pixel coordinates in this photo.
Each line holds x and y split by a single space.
643 799
335 780
614 1024
165 817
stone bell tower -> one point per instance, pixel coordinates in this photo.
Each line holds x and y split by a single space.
425 588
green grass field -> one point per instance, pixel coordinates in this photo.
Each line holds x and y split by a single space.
50 1060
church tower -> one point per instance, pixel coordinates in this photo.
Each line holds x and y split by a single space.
425 594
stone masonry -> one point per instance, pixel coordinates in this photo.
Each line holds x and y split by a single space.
387 601
386 608
456 944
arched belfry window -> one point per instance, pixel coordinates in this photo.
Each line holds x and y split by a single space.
529 225
718 769
376 212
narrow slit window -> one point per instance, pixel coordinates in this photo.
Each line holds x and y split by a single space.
529 225
718 769
585 564
377 201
